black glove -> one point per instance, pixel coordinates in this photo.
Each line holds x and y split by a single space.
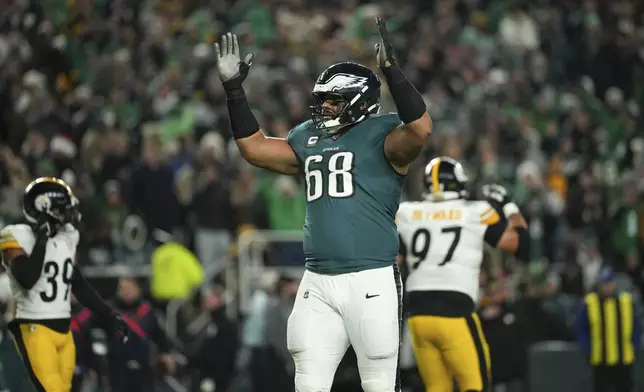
76 218
384 49
44 228
117 328
497 194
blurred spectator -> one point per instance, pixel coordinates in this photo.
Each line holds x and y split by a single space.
608 332
213 344
130 364
257 358
625 218
504 337
539 320
176 272
153 191
572 281
590 259
85 367
518 30
284 201
277 314
215 217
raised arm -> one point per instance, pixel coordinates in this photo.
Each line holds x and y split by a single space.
258 149
26 269
510 235
405 142
270 153
511 238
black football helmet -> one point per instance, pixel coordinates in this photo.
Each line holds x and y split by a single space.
445 179
353 87
50 198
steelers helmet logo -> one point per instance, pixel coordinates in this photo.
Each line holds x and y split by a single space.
42 203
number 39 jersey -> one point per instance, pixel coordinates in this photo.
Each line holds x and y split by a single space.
443 243
49 298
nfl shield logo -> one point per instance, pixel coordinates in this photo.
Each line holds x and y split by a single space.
306 294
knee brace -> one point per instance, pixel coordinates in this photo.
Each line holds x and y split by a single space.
311 383
376 385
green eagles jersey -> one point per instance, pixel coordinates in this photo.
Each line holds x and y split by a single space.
352 194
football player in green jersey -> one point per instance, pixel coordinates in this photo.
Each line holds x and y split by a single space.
354 162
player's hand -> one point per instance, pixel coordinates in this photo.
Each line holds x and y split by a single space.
118 328
169 363
76 216
232 71
44 228
496 193
384 49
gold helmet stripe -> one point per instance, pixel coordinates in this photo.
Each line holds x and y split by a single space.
51 180
436 188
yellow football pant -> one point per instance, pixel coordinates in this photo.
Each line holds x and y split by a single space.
48 355
448 348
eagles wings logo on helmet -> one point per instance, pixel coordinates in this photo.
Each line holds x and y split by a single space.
340 81
354 91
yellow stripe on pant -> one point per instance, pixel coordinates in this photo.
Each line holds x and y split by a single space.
626 305
611 341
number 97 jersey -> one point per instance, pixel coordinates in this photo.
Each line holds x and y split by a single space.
49 298
443 243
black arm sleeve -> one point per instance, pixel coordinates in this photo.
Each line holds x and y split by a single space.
26 269
494 232
409 102
87 295
242 120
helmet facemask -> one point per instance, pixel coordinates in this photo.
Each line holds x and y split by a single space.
332 117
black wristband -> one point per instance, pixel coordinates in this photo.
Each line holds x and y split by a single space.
242 120
409 102
523 250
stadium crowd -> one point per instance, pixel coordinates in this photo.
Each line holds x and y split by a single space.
120 99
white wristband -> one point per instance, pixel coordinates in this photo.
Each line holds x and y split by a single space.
510 209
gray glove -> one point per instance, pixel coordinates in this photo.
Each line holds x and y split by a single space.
232 71
497 193
499 196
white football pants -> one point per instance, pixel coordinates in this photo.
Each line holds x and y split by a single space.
331 312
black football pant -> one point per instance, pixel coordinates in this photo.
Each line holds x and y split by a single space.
613 378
